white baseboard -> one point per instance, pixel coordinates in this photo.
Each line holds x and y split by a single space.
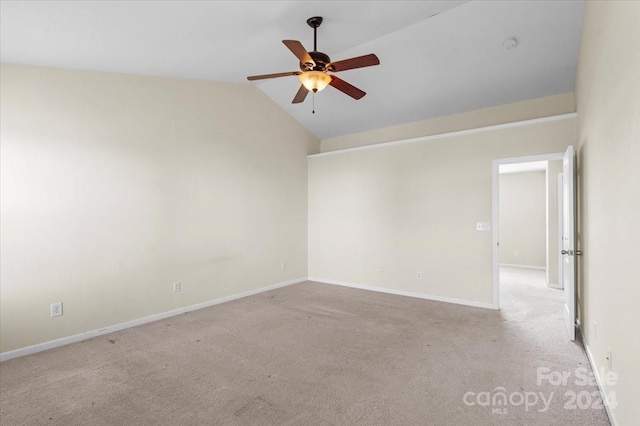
596 373
511 265
407 293
113 328
554 285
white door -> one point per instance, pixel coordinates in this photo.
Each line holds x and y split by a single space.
568 242
558 237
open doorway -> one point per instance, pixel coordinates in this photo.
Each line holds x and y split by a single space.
530 213
533 233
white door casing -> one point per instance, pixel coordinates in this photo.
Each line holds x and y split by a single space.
568 241
496 207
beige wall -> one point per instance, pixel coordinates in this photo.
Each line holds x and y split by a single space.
523 228
115 186
608 101
527 110
378 216
553 231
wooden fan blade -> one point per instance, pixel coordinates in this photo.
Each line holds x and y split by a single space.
301 95
280 74
298 49
346 88
359 62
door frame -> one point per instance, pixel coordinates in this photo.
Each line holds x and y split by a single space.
495 166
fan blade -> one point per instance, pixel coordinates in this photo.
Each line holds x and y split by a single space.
346 88
280 74
301 95
359 62
298 49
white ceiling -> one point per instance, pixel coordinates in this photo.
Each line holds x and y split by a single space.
430 65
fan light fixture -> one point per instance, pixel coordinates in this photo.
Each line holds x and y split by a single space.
315 81
317 70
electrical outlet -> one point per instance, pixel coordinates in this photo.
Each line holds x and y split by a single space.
609 359
516 253
283 267
177 287
56 309
419 275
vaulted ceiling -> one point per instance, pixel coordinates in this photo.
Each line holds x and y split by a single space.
437 57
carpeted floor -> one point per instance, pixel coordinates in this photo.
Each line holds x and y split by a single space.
314 354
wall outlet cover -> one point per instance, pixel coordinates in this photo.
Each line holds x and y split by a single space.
56 309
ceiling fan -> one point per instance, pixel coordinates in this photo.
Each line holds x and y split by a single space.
315 67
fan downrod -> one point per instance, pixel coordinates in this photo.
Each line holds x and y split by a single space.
321 59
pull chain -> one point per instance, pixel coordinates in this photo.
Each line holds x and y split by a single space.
314 103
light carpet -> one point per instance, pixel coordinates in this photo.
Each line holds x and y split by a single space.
314 354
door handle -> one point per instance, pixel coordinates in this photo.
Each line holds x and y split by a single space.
564 252
571 252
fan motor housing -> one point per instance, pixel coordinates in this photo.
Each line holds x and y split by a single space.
321 59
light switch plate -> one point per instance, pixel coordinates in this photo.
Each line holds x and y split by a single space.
483 226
